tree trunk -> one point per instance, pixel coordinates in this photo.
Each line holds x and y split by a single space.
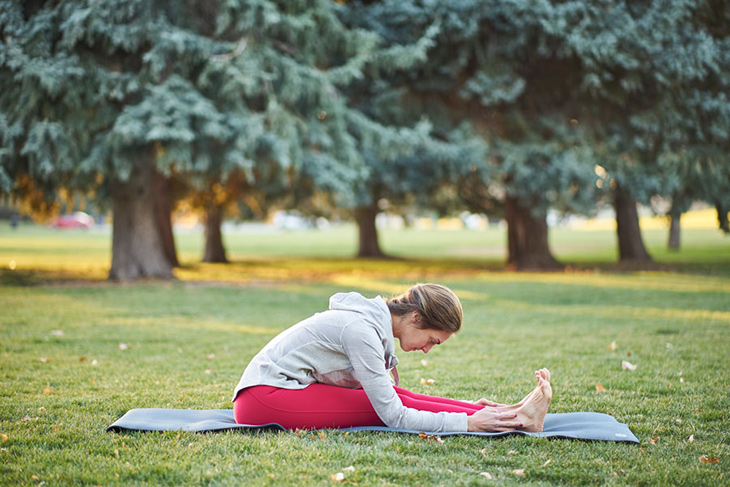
527 239
675 231
214 250
163 214
722 220
630 244
365 218
137 250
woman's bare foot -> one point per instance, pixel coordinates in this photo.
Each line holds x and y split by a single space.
542 373
531 414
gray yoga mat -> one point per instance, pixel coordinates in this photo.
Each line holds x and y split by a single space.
578 426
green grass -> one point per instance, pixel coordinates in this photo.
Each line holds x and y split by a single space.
190 340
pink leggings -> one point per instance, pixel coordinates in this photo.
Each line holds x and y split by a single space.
320 406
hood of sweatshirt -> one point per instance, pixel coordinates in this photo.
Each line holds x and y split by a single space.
375 311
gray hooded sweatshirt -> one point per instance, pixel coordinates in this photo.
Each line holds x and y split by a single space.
350 345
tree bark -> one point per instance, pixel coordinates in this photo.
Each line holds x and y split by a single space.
214 250
163 214
630 244
722 219
368 245
675 232
137 250
527 239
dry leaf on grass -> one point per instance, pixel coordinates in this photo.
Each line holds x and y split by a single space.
337 477
3 437
487 475
427 382
653 440
691 438
427 437
45 360
705 459
626 365
520 472
47 390
546 463
613 345
600 388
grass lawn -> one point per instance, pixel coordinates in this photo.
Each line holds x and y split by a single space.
65 377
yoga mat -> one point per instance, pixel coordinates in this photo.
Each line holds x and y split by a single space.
577 426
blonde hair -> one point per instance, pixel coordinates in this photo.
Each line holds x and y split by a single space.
439 307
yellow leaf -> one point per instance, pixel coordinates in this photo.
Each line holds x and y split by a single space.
653 440
3 437
600 388
47 390
427 382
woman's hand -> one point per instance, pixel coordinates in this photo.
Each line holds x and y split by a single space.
488 420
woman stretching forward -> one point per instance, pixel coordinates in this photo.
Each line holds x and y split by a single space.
332 371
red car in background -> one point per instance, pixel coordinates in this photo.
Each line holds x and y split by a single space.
77 219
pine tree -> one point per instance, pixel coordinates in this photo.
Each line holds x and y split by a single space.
112 94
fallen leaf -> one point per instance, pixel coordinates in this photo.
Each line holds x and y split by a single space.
337 477
652 441
45 360
349 469
124 346
483 451
3 437
486 474
691 438
520 472
546 463
705 459
511 452
47 390
600 388
81 359
626 365
322 436
613 345
116 453
41 409
427 437
427 382
678 420
628 354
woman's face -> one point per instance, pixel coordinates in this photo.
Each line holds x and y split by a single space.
413 338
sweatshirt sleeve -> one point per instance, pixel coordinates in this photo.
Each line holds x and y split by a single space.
366 353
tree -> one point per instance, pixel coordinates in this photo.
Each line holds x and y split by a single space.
113 93
498 65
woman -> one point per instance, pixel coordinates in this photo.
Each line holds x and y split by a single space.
332 371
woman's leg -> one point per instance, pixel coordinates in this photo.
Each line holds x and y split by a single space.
315 407
324 406
423 402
